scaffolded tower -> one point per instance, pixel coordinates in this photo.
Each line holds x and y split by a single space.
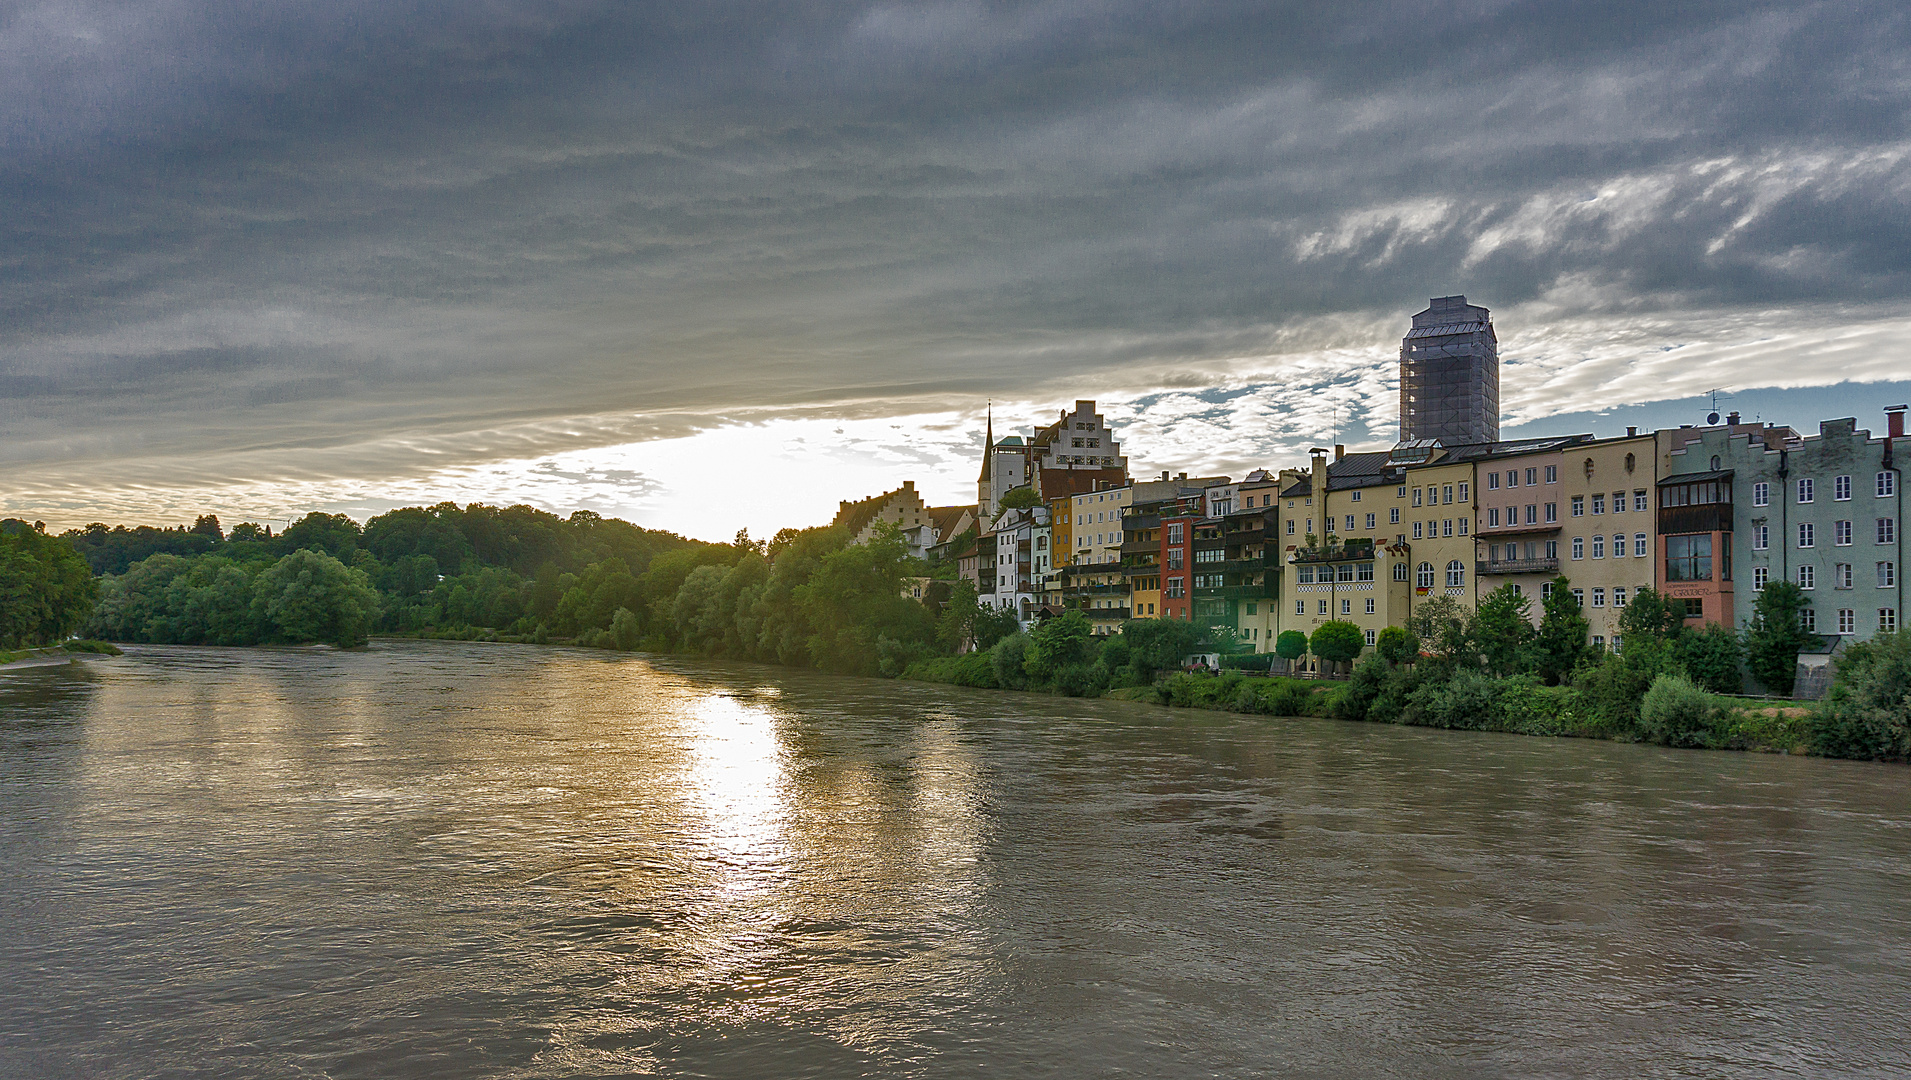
1450 375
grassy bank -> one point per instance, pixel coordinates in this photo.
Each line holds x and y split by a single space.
1383 693
100 648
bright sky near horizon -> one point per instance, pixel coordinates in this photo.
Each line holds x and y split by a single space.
711 268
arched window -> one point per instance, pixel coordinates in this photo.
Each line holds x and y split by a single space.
1400 571
1425 577
1456 574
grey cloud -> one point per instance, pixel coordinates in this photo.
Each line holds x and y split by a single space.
366 229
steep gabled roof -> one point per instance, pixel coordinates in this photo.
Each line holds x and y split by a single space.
855 515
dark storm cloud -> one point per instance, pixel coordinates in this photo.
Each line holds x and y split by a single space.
272 227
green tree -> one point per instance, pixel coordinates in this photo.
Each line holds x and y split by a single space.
1395 643
1290 646
1065 640
334 534
47 590
1337 642
1156 645
1445 626
1021 498
1774 636
311 596
1563 641
1711 656
1867 714
1503 627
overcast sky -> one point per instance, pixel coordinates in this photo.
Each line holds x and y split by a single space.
707 266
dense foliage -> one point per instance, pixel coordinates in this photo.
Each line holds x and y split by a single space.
46 590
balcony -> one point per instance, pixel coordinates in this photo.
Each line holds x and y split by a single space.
1517 566
1342 553
1269 591
1141 547
1106 614
1095 590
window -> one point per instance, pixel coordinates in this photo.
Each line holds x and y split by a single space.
1579 547
1416 496
1364 571
1599 598
1344 572
1552 549
1545 590
1887 575
1446 527
1887 530
1346 607
1807 577
1300 607
1841 533
1638 545
1393 516
1356 496
1808 619
1493 516
1463 488
1761 537
1619 596
1174 534
1806 490
1806 535
1174 558
1599 547
1370 605
1552 513
1841 488
1512 478
1760 575
1579 598
1579 506
1370 521
1688 558
1416 530
1210 555
1887 484
1400 492
1552 474
1761 494
1640 500
1253 609
1448 493
1847 621
1424 576
1304 574
1599 642
1323 607
1619 545
1463 525
1492 481
1887 620
1456 574
1532 477
1400 571
1290 526
1370 633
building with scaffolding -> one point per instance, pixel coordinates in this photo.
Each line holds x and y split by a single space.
1450 375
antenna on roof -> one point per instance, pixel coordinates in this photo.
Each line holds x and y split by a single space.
1712 418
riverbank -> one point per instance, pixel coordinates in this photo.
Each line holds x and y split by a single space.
56 654
1517 705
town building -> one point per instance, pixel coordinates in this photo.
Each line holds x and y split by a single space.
1450 375
901 507
1610 541
1825 512
1076 453
1023 559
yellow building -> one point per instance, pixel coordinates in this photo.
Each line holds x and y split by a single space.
1438 511
1609 542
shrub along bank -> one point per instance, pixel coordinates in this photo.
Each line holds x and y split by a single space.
1490 670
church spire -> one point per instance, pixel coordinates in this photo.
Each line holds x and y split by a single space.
988 445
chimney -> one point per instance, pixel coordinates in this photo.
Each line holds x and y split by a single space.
1731 418
1340 451
1165 476
1183 476
1632 431
1894 420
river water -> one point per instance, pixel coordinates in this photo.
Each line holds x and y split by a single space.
451 860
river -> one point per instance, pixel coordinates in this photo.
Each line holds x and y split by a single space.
465 860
